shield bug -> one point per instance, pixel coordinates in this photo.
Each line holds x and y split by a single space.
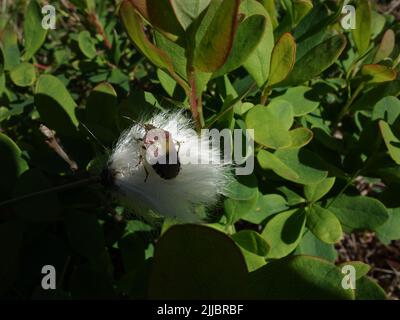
161 152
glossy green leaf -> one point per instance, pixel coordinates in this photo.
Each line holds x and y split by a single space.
282 59
368 289
190 262
297 165
12 165
283 232
236 209
299 277
391 141
34 33
242 188
375 73
212 47
310 245
10 49
387 109
266 206
258 63
23 75
390 230
188 11
361 268
55 105
324 224
101 112
87 44
359 212
271 124
248 36
386 46
252 242
299 98
314 192
161 15
362 33
300 137
315 61
134 27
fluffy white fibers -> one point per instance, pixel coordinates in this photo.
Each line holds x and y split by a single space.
202 178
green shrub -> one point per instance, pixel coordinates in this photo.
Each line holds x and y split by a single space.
323 104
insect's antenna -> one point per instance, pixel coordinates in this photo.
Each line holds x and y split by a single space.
94 137
134 121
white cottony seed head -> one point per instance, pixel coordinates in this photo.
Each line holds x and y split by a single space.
203 176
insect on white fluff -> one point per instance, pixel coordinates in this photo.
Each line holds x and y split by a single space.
202 178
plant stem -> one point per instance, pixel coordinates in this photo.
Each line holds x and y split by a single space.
195 102
348 104
64 187
265 94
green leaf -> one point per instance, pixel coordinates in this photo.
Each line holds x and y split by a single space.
87 44
12 165
23 75
297 165
298 277
359 212
252 242
10 49
390 230
271 124
161 15
282 59
242 188
362 33
134 27
368 289
314 192
300 137
101 112
258 63
11 236
315 61
376 73
283 232
368 100
300 100
34 33
391 141
197 262
361 268
386 46
39 208
212 47
168 83
387 109
236 209
312 246
55 105
188 11
248 36
324 224
266 206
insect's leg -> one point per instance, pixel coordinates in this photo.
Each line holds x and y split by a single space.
179 146
147 173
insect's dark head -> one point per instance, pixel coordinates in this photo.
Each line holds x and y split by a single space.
108 178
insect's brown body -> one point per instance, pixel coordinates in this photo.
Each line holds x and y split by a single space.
165 156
